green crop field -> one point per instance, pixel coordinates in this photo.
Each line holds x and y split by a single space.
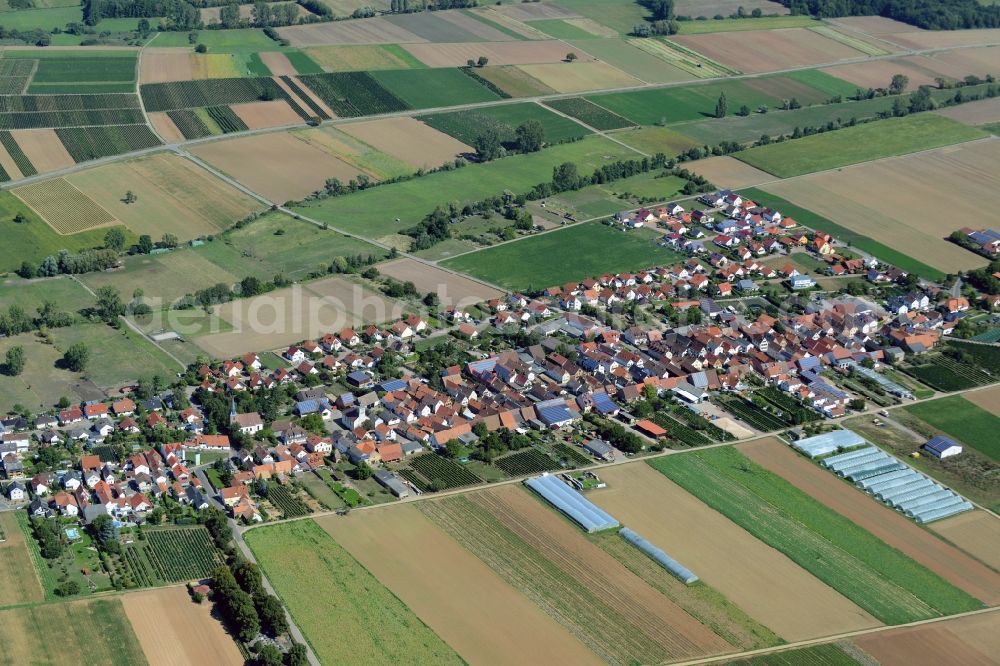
467 125
652 140
116 356
91 143
619 15
589 113
372 213
731 25
34 240
44 19
969 423
429 88
574 253
827 84
843 234
90 632
64 293
559 29
346 614
815 655
220 41
851 145
878 578
644 65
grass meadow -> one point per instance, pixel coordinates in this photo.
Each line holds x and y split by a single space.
878 578
467 125
346 614
966 422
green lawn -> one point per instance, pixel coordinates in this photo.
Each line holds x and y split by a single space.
221 41
560 29
116 356
878 578
34 240
467 125
66 294
870 141
429 88
346 614
44 19
373 212
731 25
573 253
963 420
843 234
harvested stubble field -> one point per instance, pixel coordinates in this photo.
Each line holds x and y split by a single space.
346 614
958 64
375 30
878 73
163 65
580 76
880 579
362 57
890 526
939 39
278 165
90 632
408 140
174 195
478 626
43 149
766 585
878 200
174 631
364 156
610 609
729 172
768 50
652 140
64 207
18 580
261 115
498 53
454 290
970 641
862 143
165 128
514 81
650 60
301 312
449 27
983 112
975 532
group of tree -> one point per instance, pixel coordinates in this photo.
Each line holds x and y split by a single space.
175 14
16 321
616 434
936 15
529 137
493 444
66 262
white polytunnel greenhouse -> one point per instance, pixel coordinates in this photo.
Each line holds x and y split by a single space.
579 509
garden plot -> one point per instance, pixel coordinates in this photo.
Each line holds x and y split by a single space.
757 51
174 631
173 195
378 30
478 626
278 165
454 290
43 149
261 115
499 53
882 199
766 584
581 76
409 140
891 526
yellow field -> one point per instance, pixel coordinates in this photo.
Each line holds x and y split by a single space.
64 207
580 76
213 66
18 581
173 196
355 58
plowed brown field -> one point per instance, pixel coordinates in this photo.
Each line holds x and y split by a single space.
496 625
753 51
728 172
906 536
43 149
976 532
261 115
409 140
969 641
763 582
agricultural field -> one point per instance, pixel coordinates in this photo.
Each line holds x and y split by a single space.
739 25
767 586
477 626
287 503
542 261
352 94
428 88
64 207
62 72
453 290
173 630
329 578
440 473
373 212
844 235
581 76
982 112
465 126
728 172
548 559
618 15
863 143
42 378
757 51
975 532
883 581
91 143
43 149
262 115
649 60
962 177
213 92
962 420
890 526
362 57
407 140
377 30
878 73
90 632
18 581
652 140
498 53
589 113
514 81
816 655
967 640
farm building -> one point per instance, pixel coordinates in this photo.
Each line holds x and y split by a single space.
389 481
570 502
554 413
650 429
828 442
942 447
599 449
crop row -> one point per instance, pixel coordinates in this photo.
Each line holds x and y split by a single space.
680 432
442 473
289 505
301 94
571 455
188 122
940 377
36 103
91 143
24 165
786 403
752 415
25 120
226 119
529 461
12 85
16 67
77 68
209 92
352 94
182 554
589 113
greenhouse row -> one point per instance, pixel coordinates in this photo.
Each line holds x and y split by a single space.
580 510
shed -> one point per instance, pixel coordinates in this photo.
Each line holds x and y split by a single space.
942 447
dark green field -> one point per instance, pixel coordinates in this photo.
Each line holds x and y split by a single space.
430 88
574 253
961 419
467 125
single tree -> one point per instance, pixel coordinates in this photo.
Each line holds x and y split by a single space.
76 357
722 106
488 145
14 364
114 239
145 244
109 304
201 48
483 61
898 84
530 136
169 240
571 57
130 197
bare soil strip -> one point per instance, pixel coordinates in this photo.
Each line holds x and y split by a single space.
43 149
976 532
969 641
891 527
165 127
763 582
278 63
495 625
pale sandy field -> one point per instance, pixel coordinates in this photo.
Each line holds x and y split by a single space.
454 290
755 51
499 53
728 172
976 532
261 115
409 140
43 149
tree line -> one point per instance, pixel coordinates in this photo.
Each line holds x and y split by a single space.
927 14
